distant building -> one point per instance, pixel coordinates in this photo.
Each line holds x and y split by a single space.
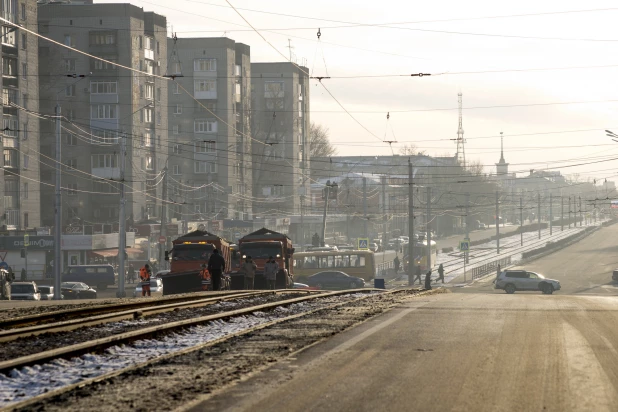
280 124
101 109
21 208
502 167
210 134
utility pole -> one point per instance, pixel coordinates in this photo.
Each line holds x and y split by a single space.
581 220
163 230
428 227
122 221
538 212
569 212
521 220
561 213
466 254
497 222
302 221
385 215
410 223
365 205
551 215
58 211
326 196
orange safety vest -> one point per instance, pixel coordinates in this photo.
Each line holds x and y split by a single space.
205 278
144 276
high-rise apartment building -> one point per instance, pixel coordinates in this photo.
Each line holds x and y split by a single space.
103 105
21 208
280 124
210 135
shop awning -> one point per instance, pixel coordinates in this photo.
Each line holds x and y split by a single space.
114 252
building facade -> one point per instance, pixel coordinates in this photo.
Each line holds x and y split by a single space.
103 107
210 134
21 208
280 124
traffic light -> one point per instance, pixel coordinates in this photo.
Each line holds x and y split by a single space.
23 253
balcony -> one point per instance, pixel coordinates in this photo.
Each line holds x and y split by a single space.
148 54
106 172
12 218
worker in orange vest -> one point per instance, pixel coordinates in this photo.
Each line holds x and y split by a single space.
205 275
144 275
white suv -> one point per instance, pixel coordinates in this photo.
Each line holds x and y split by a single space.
512 280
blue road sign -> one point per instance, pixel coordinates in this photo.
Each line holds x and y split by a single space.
4 265
464 246
363 244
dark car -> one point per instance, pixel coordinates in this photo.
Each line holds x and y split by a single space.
101 276
615 275
77 290
335 280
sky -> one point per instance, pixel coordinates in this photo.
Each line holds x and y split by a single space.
489 51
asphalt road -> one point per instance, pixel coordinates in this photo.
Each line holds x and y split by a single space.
584 268
478 351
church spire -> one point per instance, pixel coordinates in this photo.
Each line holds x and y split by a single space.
502 167
502 149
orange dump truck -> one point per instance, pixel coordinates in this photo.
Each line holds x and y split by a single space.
188 254
262 244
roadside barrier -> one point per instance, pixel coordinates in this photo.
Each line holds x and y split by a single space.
489 267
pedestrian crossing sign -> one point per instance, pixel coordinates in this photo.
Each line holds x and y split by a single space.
464 246
363 244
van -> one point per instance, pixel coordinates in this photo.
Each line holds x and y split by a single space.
100 276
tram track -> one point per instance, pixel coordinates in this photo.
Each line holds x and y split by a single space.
248 319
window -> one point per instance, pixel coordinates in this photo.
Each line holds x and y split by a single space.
148 114
178 109
69 65
148 43
72 189
205 108
102 38
150 91
205 147
8 35
104 160
140 42
205 65
104 111
106 136
205 85
70 164
158 93
176 88
149 66
24 70
69 90
26 161
101 65
71 140
176 129
68 40
23 11
176 169
9 67
204 167
149 163
177 149
24 41
104 87
273 90
205 126
176 68
24 131
24 192
9 96
147 138
237 70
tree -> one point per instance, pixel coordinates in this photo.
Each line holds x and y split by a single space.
411 150
319 142
475 167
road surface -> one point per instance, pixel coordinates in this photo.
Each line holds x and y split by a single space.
477 351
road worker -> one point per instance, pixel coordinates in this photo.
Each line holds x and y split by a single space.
270 272
216 266
205 276
144 275
248 268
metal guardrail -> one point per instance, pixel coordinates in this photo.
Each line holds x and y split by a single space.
487 268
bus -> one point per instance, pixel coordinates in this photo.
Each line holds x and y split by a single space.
361 263
420 251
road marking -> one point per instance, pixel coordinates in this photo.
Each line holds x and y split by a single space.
590 387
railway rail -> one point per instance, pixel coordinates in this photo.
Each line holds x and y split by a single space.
281 311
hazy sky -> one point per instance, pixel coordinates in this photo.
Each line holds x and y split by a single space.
535 136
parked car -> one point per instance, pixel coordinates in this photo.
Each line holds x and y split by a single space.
482 226
512 280
100 275
47 292
335 280
24 291
303 286
77 290
374 247
156 288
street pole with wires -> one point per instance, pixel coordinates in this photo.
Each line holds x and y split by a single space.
521 220
410 224
122 231
163 230
497 222
58 210
538 212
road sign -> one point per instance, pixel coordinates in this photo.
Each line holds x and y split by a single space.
162 239
464 245
363 243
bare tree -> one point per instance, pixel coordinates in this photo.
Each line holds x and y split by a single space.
475 167
319 142
411 150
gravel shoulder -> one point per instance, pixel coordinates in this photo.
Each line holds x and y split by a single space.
173 382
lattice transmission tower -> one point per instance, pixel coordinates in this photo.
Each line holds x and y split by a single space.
461 150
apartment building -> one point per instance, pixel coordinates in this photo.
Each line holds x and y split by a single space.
210 146
21 208
280 124
104 106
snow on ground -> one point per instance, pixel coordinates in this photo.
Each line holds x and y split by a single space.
509 246
28 382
